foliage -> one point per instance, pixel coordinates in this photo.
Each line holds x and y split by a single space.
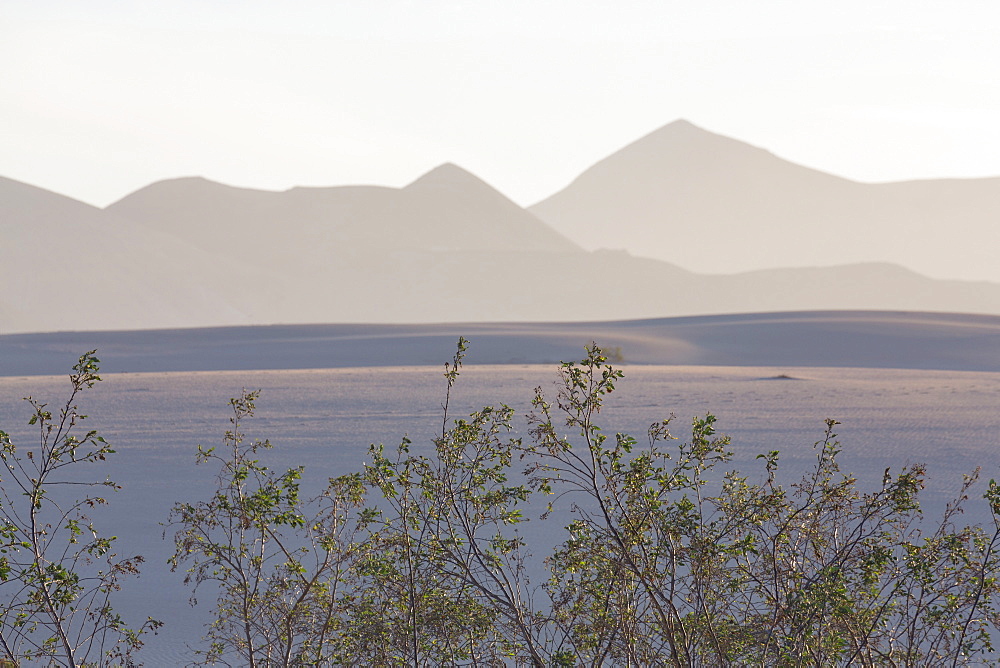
663 570
57 573
668 557
279 562
447 565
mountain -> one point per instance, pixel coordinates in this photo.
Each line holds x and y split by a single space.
355 253
447 209
717 205
69 265
447 248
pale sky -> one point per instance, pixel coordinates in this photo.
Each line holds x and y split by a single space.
101 97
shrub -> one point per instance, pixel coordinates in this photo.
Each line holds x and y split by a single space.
58 575
280 564
668 558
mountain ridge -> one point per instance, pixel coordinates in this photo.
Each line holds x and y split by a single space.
438 208
680 186
448 247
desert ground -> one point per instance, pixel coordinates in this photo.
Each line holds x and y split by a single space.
325 419
885 339
219 200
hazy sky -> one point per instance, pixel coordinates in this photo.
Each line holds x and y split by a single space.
99 98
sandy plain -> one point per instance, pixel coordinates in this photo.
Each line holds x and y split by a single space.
326 418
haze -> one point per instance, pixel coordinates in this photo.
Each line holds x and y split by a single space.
526 167
103 97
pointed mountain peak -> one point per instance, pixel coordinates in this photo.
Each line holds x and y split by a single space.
466 212
449 175
681 125
685 133
678 151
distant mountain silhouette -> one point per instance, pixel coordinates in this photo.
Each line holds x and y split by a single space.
713 204
446 248
68 265
447 209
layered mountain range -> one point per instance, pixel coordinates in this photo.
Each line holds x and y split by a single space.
695 223
713 204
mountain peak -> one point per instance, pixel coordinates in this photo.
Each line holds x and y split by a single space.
681 125
683 135
468 210
183 186
448 175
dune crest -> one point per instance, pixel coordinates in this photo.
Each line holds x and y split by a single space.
906 340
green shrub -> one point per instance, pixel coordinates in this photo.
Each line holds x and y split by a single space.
58 575
664 555
669 558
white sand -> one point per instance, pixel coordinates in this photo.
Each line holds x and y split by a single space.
325 419
837 339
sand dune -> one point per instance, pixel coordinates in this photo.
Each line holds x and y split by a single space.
325 420
682 188
833 339
450 249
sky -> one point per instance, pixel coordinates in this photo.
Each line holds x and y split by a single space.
103 97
